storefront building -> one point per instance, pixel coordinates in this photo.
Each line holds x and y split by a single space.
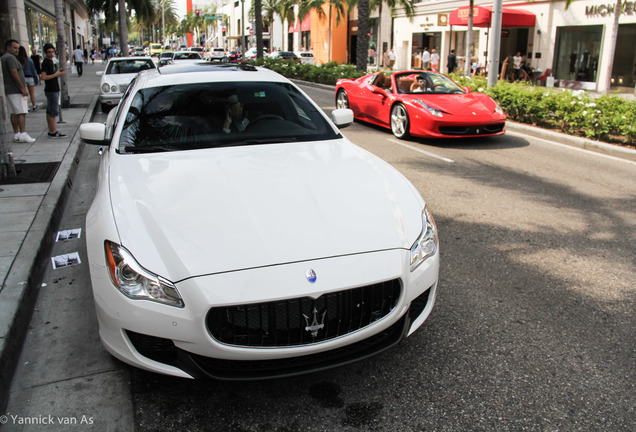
572 45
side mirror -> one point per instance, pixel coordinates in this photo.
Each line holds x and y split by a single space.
93 133
467 89
342 117
378 90
99 73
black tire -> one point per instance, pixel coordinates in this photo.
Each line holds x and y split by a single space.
400 121
342 99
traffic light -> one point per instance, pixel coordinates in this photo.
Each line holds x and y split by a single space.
197 13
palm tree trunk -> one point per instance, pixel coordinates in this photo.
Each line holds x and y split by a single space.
362 51
258 18
123 28
61 52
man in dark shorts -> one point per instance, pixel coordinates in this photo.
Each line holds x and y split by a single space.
50 73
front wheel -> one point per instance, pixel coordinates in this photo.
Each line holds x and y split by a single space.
342 100
400 121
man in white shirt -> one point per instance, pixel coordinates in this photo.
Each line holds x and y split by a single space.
426 58
78 58
516 65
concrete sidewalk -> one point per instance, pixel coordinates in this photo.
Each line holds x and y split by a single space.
29 212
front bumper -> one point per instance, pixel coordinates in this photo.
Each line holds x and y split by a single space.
110 99
179 341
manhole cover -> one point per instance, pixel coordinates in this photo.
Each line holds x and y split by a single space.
32 173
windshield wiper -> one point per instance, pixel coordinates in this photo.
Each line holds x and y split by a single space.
151 149
269 140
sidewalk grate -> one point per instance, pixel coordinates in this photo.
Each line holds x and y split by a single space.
32 173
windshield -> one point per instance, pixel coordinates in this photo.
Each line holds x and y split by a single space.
426 82
208 115
187 56
128 66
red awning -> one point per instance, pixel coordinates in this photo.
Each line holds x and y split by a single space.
482 16
294 29
306 24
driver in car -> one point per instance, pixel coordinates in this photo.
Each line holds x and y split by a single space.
235 117
419 85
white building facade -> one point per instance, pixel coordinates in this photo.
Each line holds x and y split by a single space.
574 44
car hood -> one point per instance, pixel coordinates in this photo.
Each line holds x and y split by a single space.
458 104
197 212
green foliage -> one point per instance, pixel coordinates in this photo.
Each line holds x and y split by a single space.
327 73
606 118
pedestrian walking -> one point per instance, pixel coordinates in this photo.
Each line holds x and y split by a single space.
426 59
434 60
30 75
452 62
516 61
391 59
15 90
385 58
78 58
37 62
50 73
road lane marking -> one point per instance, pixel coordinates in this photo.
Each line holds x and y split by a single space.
433 155
591 152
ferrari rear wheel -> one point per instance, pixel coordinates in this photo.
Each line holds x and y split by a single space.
400 121
342 100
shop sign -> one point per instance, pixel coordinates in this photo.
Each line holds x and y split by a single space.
462 14
629 8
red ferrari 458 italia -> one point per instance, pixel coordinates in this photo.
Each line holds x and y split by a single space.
421 104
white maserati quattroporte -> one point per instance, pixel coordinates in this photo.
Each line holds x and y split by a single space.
236 234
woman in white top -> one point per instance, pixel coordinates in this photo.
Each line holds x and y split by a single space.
434 60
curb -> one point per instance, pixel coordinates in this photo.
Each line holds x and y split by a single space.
584 143
17 298
537 132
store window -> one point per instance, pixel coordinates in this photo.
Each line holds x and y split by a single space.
624 69
577 52
41 29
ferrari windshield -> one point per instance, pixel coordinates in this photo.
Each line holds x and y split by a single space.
426 82
220 114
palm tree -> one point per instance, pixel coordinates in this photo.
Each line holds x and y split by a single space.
61 51
604 87
116 10
286 12
341 7
258 24
270 10
361 52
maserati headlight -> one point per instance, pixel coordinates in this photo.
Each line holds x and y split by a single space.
426 244
430 109
135 282
105 88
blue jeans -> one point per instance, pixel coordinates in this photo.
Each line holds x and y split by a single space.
52 103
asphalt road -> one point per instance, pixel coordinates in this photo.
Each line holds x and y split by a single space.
534 326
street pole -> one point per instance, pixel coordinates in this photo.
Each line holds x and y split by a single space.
495 43
243 27
163 23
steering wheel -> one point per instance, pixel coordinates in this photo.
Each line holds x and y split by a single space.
436 86
266 117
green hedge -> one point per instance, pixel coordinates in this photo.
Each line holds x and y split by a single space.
608 118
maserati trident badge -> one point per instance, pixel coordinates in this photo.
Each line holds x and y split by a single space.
315 326
310 274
